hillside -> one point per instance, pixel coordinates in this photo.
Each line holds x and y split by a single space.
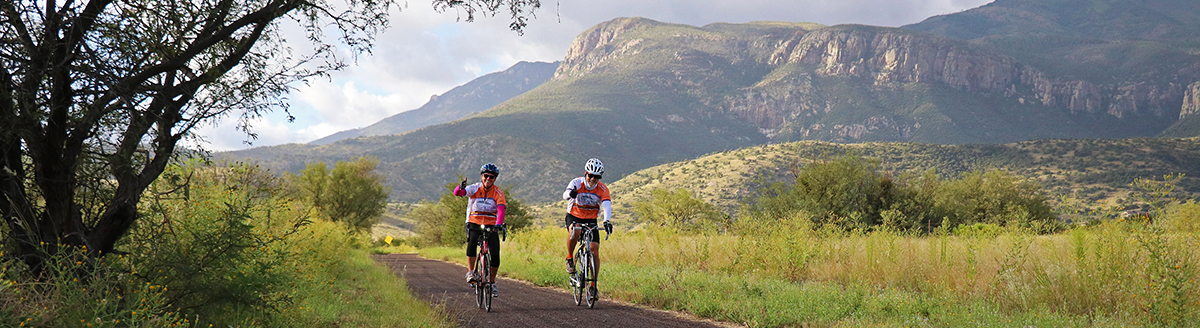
638 93
473 97
1094 172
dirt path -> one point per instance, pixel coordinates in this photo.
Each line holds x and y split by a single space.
520 304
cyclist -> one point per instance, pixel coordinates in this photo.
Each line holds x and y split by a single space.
586 196
485 206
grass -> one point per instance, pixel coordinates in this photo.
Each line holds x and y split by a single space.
362 293
1114 274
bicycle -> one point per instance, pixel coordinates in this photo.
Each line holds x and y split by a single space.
586 262
483 270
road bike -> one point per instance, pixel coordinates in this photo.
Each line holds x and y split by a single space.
483 270
583 281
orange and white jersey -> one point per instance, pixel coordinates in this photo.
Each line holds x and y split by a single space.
587 204
483 204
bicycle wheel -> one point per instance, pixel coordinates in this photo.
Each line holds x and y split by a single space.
485 262
577 277
487 297
479 294
590 274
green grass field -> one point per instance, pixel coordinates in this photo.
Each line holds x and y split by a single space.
1114 274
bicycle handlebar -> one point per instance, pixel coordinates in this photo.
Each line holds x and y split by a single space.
492 228
590 226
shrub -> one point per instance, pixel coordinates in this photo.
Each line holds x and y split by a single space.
995 197
847 192
679 209
219 244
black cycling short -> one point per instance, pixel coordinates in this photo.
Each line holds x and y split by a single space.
571 219
473 233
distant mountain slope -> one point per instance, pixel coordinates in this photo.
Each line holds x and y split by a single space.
1090 171
475 96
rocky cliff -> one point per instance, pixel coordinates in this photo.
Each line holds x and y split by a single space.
889 57
591 49
1191 101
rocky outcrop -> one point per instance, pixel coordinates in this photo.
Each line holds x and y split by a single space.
594 47
1191 101
888 57
892 55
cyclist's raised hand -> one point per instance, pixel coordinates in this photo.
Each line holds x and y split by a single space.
574 192
463 184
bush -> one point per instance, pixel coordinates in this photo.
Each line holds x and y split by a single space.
847 192
679 209
851 193
995 197
221 243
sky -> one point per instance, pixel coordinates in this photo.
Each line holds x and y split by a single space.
424 53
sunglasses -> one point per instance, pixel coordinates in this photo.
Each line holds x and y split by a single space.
489 176
593 176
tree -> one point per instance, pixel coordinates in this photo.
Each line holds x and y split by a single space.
95 96
441 223
353 193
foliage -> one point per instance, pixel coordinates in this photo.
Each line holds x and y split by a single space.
225 247
1183 218
96 96
104 294
353 193
851 193
219 239
995 197
1157 193
679 209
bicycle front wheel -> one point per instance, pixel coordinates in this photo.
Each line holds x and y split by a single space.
487 297
590 274
485 281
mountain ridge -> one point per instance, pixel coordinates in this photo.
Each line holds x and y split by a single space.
638 93
472 97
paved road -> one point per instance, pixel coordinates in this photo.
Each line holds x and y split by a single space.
520 304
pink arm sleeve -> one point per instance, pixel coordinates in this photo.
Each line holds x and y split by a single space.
458 191
500 214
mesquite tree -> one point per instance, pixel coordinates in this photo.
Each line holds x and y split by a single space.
96 95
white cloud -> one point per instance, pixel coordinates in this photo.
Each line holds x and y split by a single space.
426 53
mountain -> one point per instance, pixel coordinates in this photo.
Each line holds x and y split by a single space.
475 96
638 93
1118 54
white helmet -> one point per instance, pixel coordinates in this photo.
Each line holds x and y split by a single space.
594 167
